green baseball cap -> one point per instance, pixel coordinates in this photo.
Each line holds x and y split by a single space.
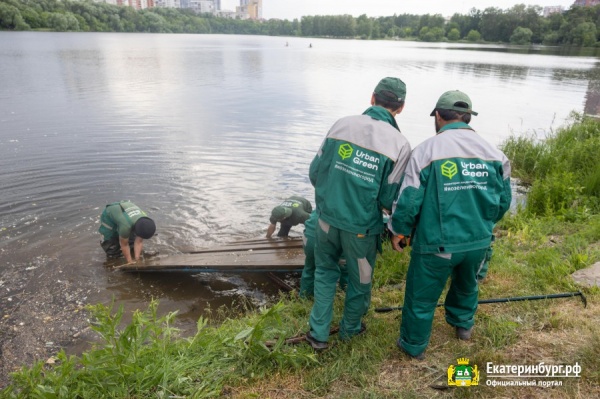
391 89
456 101
280 212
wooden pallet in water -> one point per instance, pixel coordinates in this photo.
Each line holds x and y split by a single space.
259 255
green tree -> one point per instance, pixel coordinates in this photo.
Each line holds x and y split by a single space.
473 36
466 23
454 34
431 35
387 26
364 27
58 22
376 32
11 18
72 22
307 26
431 21
32 17
551 39
521 36
407 23
584 34
494 25
153 23
452 25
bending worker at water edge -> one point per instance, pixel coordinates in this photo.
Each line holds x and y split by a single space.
356 174
124 224
455 188
293 211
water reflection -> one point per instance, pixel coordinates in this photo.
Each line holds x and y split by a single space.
592 96
571 51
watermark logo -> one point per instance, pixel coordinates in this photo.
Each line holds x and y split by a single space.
449 169
345 151
531 375
462 375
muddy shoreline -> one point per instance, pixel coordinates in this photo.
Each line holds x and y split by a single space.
42 311
43 301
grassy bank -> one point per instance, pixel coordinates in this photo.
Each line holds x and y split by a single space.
538 247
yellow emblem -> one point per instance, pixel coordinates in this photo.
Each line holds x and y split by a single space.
463 375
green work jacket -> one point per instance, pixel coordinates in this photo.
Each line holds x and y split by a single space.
118 219
357 171
301 209
456 187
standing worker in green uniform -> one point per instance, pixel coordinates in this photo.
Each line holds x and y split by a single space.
455 188
123 224
356 174
291 212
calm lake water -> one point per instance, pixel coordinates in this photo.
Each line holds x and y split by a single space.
208 133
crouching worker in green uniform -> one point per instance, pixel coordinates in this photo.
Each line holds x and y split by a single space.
291 212
123 224
356 173
455 188
307 281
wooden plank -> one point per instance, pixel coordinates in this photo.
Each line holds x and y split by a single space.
255 245
265 240
273 260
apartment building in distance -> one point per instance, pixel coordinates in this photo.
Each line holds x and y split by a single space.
202 6
586 3
137 4
167 3
552 10
248 9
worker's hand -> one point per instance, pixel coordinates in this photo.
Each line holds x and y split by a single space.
271 230
399 242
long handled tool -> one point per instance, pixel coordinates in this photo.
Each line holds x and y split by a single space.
299 338
513 299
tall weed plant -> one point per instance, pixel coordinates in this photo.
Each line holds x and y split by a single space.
147 358
563 169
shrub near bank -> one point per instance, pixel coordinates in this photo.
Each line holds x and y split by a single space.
537 249
563 170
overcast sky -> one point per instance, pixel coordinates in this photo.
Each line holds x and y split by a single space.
290 9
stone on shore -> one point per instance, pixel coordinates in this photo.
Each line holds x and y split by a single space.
589 277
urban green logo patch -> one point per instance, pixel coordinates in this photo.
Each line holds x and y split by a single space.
345 151
449 169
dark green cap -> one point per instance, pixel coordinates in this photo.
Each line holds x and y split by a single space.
456 101
391 89
279 213
144 228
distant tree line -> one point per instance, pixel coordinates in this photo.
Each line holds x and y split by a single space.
520 24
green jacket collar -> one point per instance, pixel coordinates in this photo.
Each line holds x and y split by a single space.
381 114
455 125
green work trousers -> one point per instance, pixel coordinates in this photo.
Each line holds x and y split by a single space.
360 252
425 281
307 281
483 270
